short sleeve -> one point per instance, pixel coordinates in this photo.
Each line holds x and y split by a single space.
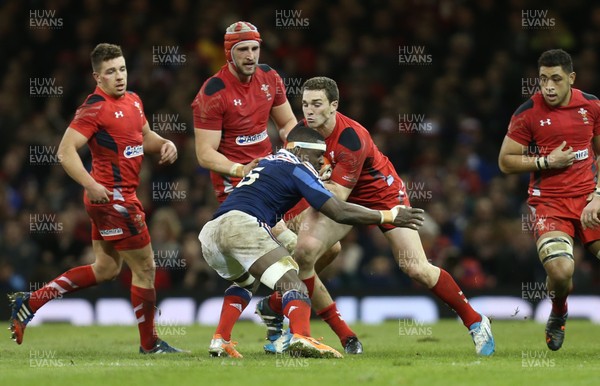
87 116
519 130
311 187
350 157
208 110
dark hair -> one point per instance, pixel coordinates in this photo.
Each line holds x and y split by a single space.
328 85
556 57
301 133
103 52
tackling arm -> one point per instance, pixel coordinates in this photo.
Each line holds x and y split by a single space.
352 214
341 192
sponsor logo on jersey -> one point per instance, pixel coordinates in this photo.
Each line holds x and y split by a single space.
111 232
546 121
244 140
580 155
133 151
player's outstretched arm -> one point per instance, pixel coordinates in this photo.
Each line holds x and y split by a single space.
154 143
69 159
207 143
352 214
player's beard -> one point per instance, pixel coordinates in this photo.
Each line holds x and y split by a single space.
243 70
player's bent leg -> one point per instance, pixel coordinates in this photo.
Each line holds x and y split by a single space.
327 258
278 271
318 235
143 299
297 307
24 305
411 258
555 250
108 261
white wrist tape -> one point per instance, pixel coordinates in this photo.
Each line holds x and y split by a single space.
288 239
388 216
237 170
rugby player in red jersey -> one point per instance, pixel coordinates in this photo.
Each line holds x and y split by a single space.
231 112
112 123
363 175
555 136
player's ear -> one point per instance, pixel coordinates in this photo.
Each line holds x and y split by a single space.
334 106
572 78
96 76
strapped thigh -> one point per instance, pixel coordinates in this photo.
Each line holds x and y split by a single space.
552 247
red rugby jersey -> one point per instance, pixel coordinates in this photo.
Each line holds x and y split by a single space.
241 111
542 128
357 162
113 127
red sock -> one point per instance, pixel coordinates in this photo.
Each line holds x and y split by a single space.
310 285
144 302
447 290
275 302
332 316
70 281
559 306
233 306
299 316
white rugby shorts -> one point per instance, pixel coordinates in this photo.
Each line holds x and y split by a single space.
232 242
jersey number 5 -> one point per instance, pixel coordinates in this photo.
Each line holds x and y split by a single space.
251 177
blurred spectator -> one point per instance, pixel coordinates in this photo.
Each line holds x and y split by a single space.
440 119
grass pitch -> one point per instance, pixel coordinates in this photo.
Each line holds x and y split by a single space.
396 353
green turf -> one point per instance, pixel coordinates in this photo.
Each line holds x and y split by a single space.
440 354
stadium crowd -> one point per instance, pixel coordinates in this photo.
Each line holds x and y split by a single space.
435 82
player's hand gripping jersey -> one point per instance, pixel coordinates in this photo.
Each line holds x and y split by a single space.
543 128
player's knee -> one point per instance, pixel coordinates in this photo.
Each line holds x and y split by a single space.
560 270
307 252
106 271
328 257
417 271
146 269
